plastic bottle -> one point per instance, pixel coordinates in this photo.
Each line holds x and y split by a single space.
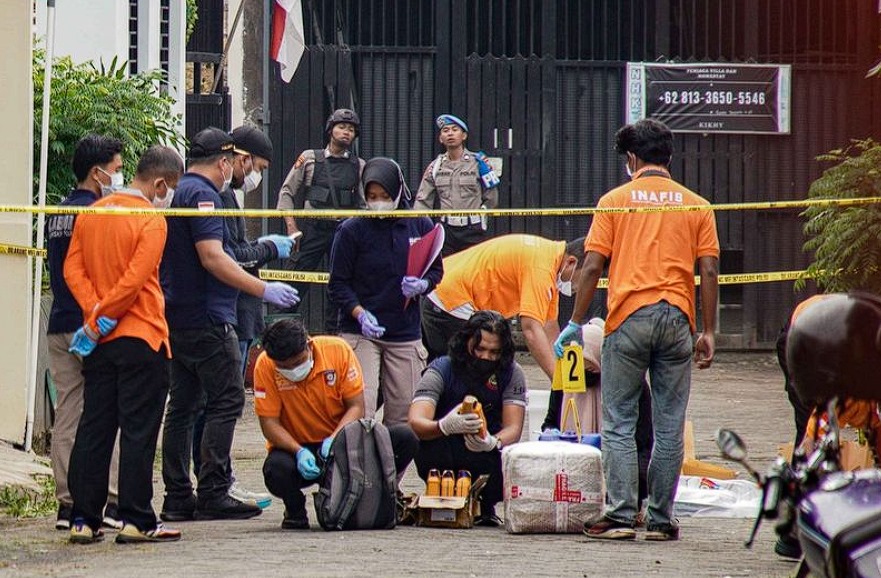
463 484
448 484
433 483
471 405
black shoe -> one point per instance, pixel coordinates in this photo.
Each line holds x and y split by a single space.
487 517
299 521
178 509
788 547
62 522
111 518
226 508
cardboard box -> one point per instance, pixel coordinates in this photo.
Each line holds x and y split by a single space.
453 512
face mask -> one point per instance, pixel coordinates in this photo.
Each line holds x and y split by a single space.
381 205
298 373
226 181
565 287
164 202
483 368
116 182
252 181
627 169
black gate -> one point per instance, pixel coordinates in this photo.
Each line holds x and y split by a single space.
540 84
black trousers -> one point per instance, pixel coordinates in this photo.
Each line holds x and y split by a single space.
438 327
283 480
205 361
801 411
460 238
450 453
126 383
314 255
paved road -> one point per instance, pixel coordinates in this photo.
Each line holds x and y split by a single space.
743 391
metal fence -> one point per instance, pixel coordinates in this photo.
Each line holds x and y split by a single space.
540 83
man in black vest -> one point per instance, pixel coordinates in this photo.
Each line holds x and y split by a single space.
323 179
481 363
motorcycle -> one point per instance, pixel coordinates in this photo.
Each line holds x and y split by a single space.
834 515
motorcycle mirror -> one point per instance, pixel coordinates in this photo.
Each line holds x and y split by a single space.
731 445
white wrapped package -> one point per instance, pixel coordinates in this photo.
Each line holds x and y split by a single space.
552 487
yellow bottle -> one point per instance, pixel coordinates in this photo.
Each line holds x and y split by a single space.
433 483
448 484
463 484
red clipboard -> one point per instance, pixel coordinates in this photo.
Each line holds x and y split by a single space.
423 252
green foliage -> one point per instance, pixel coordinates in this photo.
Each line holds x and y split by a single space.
846 240
20 502
103 100
192 16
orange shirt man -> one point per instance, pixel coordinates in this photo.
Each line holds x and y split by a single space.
512 274
650 325
112 269
305 391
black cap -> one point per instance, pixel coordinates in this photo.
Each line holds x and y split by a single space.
209 142
251 140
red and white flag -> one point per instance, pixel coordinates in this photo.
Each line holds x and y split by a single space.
288 41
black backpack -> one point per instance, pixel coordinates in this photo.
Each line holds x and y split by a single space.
357 487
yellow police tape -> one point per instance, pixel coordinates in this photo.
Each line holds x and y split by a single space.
315 277
732 279
340 214
7 249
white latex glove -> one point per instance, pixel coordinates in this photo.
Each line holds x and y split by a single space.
475 443
459 423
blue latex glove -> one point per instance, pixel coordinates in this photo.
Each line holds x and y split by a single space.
280 294
370 327
413 286
325 447
106 325
306 464
572 332
81 343
283 244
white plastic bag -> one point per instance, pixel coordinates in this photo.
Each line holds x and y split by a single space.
709 497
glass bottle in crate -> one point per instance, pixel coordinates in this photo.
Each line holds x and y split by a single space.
463 484
433 483
448 484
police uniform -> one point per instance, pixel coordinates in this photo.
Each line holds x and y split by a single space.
455 185
320 181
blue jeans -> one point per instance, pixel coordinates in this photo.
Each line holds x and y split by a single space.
657 339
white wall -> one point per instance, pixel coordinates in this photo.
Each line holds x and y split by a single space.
16 140
234 62
98 30
88 29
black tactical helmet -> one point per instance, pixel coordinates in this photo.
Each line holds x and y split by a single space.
834 348
343 115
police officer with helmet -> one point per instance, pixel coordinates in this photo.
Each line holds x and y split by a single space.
323 179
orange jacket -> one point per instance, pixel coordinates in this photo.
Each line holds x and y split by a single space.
112 269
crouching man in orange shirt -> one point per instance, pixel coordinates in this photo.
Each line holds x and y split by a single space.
305 390
112 270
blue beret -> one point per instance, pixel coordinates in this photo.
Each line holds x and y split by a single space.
445 119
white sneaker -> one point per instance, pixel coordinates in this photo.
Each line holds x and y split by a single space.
261 499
